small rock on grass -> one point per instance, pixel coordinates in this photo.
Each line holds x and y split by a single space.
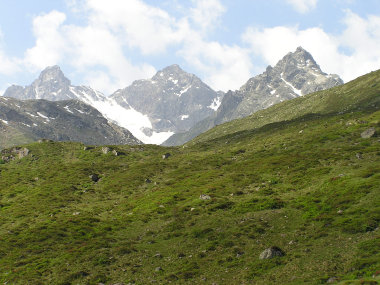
272 252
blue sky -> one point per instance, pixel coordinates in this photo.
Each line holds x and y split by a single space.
108 44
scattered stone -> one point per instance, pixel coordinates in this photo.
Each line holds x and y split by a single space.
158 269
148 180
115 153
161 206
340 212
166 155
369 133
332 280
105 150
359 156
13 153
192 209
44 140
76 213
204 197
300 132
271 252
94 177
88 147
158 255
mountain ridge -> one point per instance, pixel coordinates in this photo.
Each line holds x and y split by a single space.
296 74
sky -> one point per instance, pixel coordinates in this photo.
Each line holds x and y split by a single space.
107 44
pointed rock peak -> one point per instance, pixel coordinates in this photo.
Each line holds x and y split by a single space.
174 68
53 73
301 55
170 71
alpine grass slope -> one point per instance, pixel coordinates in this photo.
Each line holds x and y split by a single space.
298 176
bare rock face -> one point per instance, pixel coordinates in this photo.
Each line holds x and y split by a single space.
271 252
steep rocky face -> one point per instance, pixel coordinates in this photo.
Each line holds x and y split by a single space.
295 75
70 120
173 99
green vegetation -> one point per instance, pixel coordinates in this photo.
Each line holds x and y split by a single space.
307 183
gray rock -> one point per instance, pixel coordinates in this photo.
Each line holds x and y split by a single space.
148 180
115 152
369 133
166 155
158 269
105 150
332 280
94 177
13 153
271 252
204 197
359 156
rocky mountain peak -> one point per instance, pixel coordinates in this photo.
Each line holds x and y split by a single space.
172 71
52 74
300 59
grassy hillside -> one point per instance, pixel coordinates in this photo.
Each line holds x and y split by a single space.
309 185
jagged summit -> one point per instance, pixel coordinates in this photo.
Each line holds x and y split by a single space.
296 74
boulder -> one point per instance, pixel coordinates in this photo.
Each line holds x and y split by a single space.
204 197
105 150
369 133
94 177
166 155
272 252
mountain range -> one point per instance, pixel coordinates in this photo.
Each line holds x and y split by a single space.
174 106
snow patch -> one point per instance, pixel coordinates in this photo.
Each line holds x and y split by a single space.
295 90
215 104
43 116
80 111
272 92
68 110
183 91
4 121
183 117
128 118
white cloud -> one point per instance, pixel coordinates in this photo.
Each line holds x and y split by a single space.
361 37
50 42
303 6
206 14
142 26
223 67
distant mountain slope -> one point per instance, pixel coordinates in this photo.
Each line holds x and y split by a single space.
172 101
297 74
70 120
359 94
